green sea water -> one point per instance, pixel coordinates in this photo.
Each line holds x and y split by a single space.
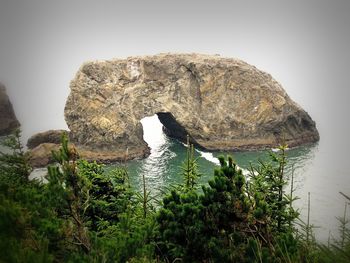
164 166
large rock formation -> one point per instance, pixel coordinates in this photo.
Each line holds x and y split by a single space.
8 120
222 103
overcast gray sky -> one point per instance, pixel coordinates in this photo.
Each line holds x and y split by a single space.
303 44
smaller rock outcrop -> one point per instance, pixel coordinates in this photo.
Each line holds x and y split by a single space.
51 136
42 144
8 120
41 155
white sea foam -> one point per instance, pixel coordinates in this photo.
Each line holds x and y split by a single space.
211 158
275 150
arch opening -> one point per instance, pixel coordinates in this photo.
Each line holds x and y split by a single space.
153 133
171 127
162 124
174 129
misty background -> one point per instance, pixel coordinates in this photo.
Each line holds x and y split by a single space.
305 45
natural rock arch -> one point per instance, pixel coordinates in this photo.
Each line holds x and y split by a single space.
222 103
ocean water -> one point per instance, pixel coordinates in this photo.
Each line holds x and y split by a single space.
315 172
311 174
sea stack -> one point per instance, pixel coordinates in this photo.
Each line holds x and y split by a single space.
221 103
8 120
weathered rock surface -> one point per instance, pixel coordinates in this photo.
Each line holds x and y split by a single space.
41 155
8 120
42 144
222 103
51 136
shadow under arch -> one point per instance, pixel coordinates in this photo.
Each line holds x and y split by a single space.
173 129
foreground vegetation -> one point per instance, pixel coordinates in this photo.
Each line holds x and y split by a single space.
83 214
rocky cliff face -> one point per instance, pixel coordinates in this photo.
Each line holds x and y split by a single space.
8 120
222 103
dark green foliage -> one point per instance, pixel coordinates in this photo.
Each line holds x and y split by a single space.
181 227
81 215
84 214
109 194
116 216
273 210
132 237
14 163
227 212
71 195
101 210
232 221
180 219
189 168
197 228
23 230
